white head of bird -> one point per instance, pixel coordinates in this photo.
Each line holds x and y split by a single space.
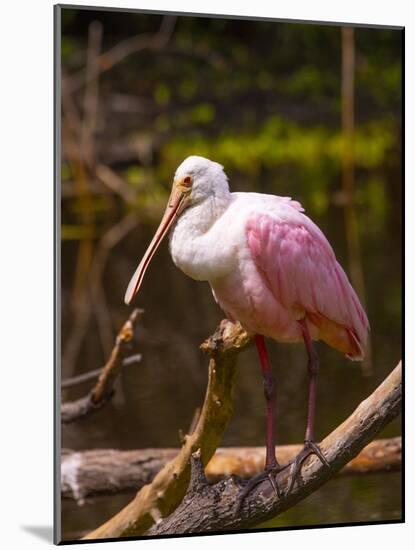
199 185
202 178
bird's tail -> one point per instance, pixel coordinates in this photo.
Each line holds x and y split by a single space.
344 339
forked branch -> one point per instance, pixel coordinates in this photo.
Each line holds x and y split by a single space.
103 390
159 498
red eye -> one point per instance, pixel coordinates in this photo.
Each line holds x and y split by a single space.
187 181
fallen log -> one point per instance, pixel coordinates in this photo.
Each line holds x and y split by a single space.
103 471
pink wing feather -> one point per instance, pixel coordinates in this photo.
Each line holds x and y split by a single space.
304 275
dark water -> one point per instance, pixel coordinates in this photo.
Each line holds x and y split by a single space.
158 397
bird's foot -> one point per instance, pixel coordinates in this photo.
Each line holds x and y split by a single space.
270 473
310 448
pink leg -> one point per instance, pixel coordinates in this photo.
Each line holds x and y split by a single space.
313 368
270 395
272 467
310 447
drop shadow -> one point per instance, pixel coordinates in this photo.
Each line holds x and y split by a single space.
44 532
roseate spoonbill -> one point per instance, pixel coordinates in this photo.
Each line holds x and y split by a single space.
270 268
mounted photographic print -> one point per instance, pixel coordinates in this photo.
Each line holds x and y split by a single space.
228 274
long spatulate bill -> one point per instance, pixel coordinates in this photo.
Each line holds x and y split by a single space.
173 209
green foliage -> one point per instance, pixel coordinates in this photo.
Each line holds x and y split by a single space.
203 113
68 47
279 141
187 88
65 171
76 232
162 93
263 99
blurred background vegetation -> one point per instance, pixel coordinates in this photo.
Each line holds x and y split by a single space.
305 110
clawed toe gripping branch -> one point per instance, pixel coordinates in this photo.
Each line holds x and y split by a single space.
172 505
310 448
270 475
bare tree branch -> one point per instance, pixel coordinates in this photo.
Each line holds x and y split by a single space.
92 374
98 298
103 390
123 49
80 378
91 95
114 182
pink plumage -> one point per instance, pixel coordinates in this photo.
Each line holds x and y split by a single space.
287 271
299 267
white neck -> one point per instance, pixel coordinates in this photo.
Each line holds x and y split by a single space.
191 230
199 218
